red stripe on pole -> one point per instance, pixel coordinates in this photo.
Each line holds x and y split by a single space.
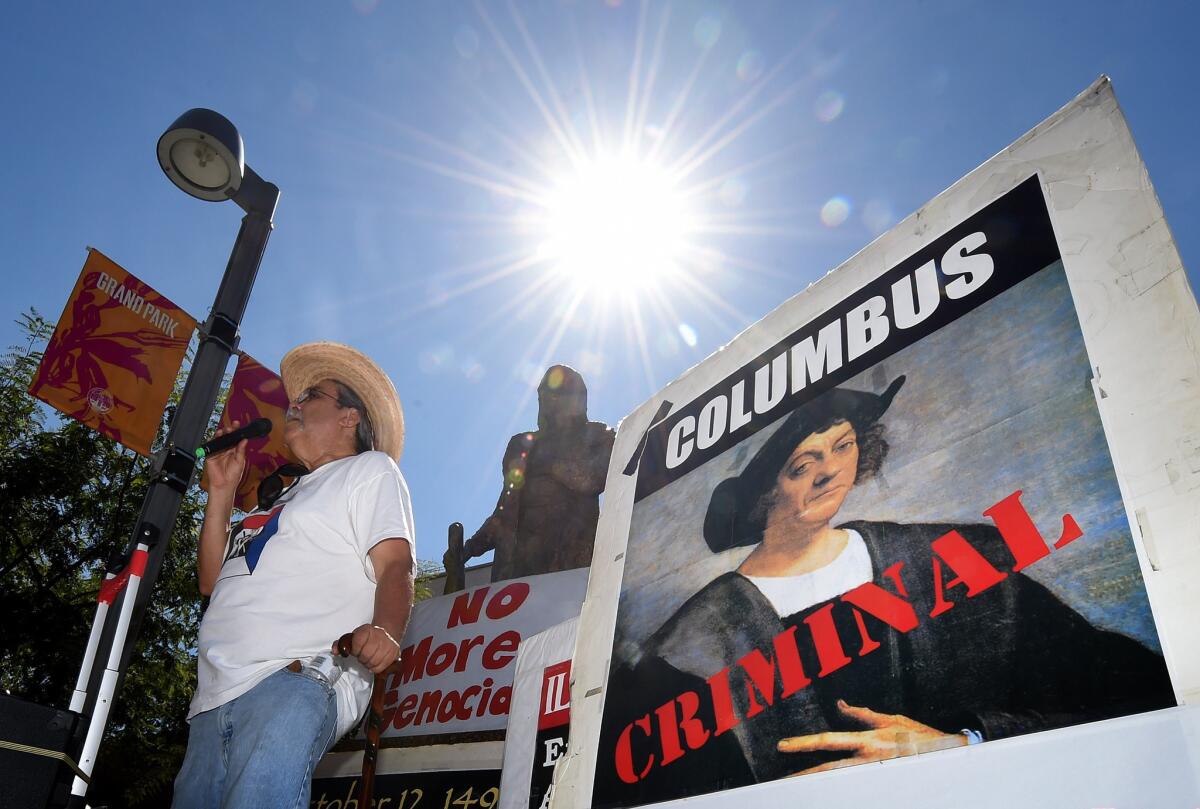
137 564
111 588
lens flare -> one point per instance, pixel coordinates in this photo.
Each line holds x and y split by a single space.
472 370
437 359
750 66
554 379
829 106
835 212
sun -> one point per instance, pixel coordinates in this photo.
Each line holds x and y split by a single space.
615 222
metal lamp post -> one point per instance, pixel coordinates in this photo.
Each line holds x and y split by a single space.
201 153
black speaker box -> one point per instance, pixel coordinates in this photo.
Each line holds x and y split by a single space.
29 780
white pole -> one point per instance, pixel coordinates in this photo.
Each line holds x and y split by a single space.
108 683
112 585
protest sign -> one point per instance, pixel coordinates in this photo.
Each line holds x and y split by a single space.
459 653
892 518
539 723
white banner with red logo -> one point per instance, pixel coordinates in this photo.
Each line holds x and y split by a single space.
459 653
541 716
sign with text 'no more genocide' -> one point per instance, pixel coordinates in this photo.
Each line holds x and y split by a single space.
459 653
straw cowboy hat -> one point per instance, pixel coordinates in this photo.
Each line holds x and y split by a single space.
307 364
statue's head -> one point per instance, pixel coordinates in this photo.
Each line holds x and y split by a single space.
562 399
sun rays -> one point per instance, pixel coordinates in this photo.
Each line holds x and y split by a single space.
616 193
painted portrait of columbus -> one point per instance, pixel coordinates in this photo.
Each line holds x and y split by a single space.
1005 664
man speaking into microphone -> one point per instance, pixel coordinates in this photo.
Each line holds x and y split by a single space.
333 553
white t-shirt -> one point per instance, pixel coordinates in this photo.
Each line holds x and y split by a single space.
297 577
790 594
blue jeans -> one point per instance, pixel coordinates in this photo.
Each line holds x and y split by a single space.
259 750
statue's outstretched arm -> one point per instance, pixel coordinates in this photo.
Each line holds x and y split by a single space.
499 528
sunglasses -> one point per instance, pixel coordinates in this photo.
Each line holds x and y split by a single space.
272 487
313 392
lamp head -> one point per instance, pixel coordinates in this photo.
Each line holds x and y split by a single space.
202 153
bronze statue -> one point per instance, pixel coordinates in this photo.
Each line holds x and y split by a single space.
545 519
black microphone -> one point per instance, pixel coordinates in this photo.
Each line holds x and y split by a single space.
255 429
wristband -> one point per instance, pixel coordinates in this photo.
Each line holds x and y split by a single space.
389 637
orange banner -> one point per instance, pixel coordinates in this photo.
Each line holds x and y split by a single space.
114 357
257 392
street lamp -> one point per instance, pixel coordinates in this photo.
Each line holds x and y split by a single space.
201 153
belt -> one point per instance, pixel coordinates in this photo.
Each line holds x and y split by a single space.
295 666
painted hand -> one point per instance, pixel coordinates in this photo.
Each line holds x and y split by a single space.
887 736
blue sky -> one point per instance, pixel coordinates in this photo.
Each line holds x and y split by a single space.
417 146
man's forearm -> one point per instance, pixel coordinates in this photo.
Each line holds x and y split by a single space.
393 600
213 535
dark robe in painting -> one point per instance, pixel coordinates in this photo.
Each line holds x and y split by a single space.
1014 659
